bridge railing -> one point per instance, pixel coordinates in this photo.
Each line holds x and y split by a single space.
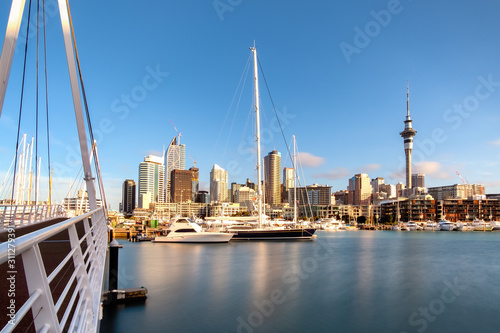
19 215
79 269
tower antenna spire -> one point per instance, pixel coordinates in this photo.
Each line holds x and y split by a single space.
408 98
408 134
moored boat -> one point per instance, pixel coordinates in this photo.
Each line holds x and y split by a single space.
464 226
183 230
446 225
432 226
262 232
481 225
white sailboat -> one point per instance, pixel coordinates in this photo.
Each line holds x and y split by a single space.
261 232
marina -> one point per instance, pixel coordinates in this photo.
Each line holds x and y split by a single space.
237 241
364 281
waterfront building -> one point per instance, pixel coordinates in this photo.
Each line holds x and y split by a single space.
164 211
152 179
79 204
419 208
218 184
408 134
128 197
184 185
468 209
226 209
175 159
359 190
425 207
311 195
272 168
457 191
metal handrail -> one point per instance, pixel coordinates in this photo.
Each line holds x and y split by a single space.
19 215
88 269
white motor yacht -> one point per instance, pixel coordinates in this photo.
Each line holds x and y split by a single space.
446 225
496 225
412 226
481 225
183 230
331 224
464 226
432 226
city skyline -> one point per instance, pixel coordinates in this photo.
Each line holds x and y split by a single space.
318 64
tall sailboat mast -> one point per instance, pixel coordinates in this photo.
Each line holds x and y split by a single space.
295 178
257 116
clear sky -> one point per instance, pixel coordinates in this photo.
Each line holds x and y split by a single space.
337 72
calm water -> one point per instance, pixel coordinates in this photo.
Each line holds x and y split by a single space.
351 281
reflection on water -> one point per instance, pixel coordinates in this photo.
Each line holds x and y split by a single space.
341 282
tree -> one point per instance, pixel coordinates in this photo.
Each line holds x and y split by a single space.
361 220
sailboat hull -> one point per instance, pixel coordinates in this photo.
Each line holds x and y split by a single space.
270 234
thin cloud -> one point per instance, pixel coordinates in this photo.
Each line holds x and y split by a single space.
370 167
496 142
309 160
334 174
432 169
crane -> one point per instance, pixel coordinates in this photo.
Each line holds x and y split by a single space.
459 175
178 133
192 159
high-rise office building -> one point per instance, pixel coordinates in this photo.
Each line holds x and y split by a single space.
234 189
377 184
288 182
360 190
203 197
272 170
408 135
152 179
175 159
218 184
184 185
311 195
418 180
128 197
245 194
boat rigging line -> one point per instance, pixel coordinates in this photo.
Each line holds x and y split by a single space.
21 102
281 128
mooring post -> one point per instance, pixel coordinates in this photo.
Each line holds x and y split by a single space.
113 268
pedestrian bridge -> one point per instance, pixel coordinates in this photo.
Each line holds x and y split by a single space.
52 270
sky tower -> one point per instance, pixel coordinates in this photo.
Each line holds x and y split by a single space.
408 135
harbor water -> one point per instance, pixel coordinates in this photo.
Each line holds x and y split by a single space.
347 281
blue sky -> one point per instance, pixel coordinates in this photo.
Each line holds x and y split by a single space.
337 72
